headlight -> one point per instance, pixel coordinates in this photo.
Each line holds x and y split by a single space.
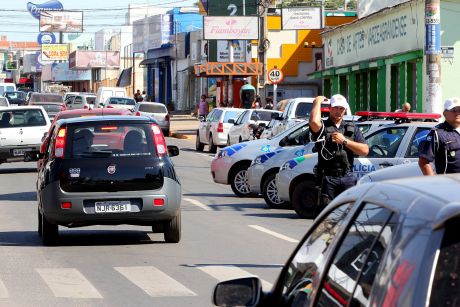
221 154
285 166
257 160
365 179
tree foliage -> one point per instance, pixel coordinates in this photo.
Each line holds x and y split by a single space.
328 4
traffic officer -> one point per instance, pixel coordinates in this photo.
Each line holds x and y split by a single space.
336 142
442 144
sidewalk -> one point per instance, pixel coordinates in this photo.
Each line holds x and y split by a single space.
184 126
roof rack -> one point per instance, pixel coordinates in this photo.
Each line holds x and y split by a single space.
399 117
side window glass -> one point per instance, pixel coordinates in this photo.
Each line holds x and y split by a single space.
385 143
305 265
417 139
245 119
364 128
217 116
239 120
78 100
210 115
287 110
351 274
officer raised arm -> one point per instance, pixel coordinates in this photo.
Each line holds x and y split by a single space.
442 144
336 142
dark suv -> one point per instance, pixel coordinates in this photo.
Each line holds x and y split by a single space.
108 170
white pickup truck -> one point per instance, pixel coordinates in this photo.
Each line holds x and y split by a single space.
21 132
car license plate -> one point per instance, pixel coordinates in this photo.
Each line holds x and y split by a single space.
20 151
112 206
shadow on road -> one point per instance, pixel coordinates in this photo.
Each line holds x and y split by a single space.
80 238
237 207
209 195
275 215
18 170
194 150
23 196
239 265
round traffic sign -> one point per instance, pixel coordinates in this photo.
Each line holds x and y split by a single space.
275 76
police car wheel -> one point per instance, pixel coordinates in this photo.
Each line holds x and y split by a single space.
199 145
239 181
270 194
304 200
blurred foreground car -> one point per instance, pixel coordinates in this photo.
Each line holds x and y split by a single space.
156 110
108 170
392 243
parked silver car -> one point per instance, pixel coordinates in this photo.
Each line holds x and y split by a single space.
156 110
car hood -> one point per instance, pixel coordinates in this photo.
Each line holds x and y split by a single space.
393 172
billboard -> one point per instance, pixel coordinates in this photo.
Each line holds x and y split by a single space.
301 18
60 72
82 59
157 30
55 52
231 27
61 21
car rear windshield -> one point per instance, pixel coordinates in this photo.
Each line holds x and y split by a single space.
231 115
90 100
121 100
22 118
15 95
261 115
51 108
100 140
152 108
46 98
304 109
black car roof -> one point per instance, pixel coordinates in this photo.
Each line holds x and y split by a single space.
110 118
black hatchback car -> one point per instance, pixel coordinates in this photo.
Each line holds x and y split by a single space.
108 170
393 243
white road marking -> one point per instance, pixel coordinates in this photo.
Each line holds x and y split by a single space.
275 234
3 290
154 282
228 272
69 283
198 204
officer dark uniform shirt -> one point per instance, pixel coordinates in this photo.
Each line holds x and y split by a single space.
442 146
335 161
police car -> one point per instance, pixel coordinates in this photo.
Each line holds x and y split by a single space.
263 169
389 145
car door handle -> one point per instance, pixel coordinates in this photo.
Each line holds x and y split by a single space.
386 164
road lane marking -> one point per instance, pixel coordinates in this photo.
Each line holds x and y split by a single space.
3 290
154 282
69 283
275 234
198 204
228 272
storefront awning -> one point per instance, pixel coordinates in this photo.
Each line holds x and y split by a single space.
147 62
125 77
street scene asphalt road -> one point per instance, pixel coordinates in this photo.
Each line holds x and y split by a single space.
223 237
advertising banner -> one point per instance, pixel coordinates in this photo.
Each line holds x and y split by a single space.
240 51
151 32
81 59
61 21
52 5
61 72
301 18
231 28
55 52
433 28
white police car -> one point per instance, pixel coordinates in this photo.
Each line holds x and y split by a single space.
389 145
263 169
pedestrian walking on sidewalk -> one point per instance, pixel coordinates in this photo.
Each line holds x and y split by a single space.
203 107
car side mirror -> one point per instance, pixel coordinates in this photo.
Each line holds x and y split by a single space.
231 121
201 118
173 150
238 292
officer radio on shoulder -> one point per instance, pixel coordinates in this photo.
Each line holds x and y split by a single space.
337 142
442 144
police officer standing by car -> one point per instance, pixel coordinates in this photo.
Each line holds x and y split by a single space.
336 142
442 144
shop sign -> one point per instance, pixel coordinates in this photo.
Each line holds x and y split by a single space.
433 28
301 18
240 51
232 27
61 72
52 5
447 52
398 32
55 52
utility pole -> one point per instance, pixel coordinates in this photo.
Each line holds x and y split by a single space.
433 93
263 6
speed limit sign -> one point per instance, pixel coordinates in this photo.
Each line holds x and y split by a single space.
275 76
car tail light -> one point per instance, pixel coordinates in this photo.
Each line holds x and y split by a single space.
63 107
109 107
167 117
157 202
66 205
138 113
159 140
85 107
59 145
220 127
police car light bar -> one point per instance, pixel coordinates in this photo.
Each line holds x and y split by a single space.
401 115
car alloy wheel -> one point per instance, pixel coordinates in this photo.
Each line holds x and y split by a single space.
239 182
270 194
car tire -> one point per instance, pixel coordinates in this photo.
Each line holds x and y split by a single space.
304 200
158 228
212 147
239 181
172 229
40 225
270 194
50 232
166 133
199 146
228 141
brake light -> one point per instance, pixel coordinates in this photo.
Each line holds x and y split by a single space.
66 205
138 113
59 145
109 107
157 202
85 107
220 127
63 107
109 128
159 140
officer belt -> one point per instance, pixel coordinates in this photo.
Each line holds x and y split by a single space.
335 172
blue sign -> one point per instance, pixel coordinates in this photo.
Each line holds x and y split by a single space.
46 38
433 39
52 5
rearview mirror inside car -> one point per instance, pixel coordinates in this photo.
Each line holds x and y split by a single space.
238 292
173 150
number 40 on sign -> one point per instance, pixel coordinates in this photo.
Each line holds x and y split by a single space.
275 76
